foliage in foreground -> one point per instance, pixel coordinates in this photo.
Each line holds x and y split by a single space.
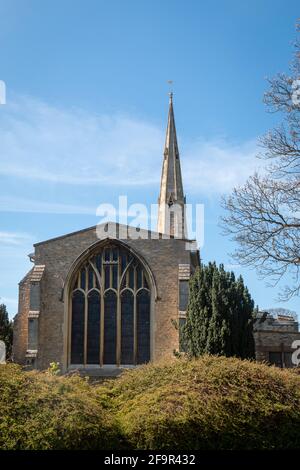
43 411
207 403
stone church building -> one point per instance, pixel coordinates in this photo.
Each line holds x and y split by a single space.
107 302
105 298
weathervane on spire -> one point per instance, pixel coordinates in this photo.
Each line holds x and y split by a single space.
170 83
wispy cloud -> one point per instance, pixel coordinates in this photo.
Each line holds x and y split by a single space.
71 146
11 204
41 142
12 305
10 302
14 238
217 166
14 247
233 266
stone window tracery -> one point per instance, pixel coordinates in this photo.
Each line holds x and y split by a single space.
110 310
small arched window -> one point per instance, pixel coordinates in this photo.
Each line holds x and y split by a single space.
110 310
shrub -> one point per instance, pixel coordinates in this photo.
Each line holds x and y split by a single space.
43 411
207 403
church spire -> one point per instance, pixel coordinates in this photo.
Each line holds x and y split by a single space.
171 213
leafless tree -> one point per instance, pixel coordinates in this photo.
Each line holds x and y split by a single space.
263 216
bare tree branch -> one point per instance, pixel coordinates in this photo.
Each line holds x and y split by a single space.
263 216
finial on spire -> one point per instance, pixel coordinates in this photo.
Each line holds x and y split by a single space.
170 82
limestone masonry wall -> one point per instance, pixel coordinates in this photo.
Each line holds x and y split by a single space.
20 336
58 255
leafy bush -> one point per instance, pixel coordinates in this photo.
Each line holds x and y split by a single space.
43 411
207 403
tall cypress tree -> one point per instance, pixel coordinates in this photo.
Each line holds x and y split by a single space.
220 314
6 329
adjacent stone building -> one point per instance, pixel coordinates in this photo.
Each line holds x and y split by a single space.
274 338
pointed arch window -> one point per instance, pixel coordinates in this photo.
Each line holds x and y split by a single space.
110 310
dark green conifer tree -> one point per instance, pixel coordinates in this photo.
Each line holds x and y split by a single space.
220 314
6 330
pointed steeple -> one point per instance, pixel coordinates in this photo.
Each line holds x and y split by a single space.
171 213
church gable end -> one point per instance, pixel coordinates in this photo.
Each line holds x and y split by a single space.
106 297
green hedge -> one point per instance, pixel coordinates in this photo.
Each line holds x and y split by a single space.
41 411
208 403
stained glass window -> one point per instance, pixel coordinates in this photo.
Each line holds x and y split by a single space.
110 318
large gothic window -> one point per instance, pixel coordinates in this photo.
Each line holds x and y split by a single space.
110 310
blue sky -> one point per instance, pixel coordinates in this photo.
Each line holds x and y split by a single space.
87 106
